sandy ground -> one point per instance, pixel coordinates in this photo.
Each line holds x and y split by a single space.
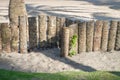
80 9
50 61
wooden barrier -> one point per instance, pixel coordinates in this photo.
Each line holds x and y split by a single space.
89 36
105 32
51 36
97 35
82 37
23 34
33 33
42 21
65 42
112 35
117 44
51 32
6 37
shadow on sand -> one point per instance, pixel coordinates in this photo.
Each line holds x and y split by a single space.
61 11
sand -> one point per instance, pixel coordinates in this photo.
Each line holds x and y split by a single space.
50 61
78 9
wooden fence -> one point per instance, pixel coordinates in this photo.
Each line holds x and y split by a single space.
45 31
42 32
91 36
68 35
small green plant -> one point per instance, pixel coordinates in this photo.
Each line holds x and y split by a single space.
73 43
71 53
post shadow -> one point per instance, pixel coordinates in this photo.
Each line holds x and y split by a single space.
55 55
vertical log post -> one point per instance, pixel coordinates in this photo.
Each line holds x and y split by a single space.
0 40
97 35
58 29
105 32
14 38
42 21
65 42
16 8
60 24
89 36
82 37
6 37
51 31
117 44
33 33
73 45
112 35
23 34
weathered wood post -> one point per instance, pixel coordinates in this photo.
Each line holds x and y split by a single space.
33 33
112 35
73 44
65 42
6 37
97 35
14 37
51 31
23 34
0 40
60 23
117 44
42 24
105 32
89 36
58 29
16 8
82 37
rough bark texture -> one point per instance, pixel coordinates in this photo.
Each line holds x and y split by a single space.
58 29
82 37
89 36
14 38
73 32
6 37
59 24
16 8
51 31
42 21
62 23
0 40
65 42
33 33
97 35
112 35
105 32
23 34
117 46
